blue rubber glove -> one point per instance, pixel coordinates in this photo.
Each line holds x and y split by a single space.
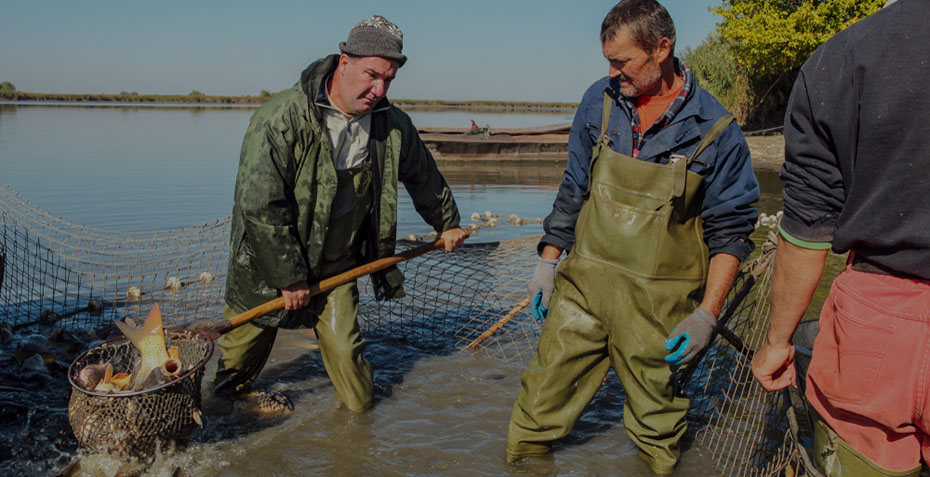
539 310
690 337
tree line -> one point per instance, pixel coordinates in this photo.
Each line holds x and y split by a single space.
9 92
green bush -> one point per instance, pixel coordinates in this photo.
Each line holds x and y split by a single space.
752 60
713 64
771 37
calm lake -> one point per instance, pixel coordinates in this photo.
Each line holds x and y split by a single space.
142 168
147 168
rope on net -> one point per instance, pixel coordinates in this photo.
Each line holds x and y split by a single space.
57 273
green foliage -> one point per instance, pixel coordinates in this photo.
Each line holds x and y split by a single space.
716 69
771 37
196 94
7 90
762 44
264 93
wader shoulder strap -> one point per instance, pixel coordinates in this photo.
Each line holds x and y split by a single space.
602 142
712 134
605 117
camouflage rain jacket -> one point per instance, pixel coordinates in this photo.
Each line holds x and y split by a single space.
286 185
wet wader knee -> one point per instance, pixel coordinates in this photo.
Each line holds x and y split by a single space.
564 376
654 418
341 346
244 351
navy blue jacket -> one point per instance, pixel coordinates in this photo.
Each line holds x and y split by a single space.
730 186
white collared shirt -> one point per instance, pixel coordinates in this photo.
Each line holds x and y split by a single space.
348 134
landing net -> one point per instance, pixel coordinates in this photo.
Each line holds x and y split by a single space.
55 273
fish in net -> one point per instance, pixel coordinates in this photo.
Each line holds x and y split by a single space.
136 423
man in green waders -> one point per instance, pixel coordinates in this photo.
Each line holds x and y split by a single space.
655 209
316 195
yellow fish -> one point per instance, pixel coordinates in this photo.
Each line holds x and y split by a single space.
112 382
121 380
149 339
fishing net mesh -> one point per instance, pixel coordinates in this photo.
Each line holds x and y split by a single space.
63 274
57 272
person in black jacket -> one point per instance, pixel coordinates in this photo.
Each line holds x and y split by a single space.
857 179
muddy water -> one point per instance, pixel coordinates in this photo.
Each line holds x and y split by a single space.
442 413
436 414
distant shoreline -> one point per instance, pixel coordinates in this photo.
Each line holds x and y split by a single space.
767 146
198 99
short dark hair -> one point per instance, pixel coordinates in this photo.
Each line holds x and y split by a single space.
648 21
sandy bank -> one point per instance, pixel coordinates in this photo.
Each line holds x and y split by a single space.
768 152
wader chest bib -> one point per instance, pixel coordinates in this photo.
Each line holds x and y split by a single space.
638 263
351 206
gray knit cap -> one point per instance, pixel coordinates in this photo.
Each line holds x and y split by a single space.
375 36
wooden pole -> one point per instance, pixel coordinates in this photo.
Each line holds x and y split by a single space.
497 326
320 287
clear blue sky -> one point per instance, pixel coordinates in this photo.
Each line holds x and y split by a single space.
542 50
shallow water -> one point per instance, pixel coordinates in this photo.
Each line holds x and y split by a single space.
436 414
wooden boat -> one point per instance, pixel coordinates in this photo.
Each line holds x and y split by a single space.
549 143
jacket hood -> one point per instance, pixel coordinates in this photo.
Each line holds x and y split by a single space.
311 78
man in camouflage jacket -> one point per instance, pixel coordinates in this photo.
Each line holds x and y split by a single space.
316 194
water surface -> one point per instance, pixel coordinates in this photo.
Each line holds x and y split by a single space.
138 168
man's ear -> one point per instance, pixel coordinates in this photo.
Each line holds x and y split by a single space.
344 60
662 50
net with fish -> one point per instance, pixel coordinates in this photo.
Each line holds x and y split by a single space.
135 424
64 274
